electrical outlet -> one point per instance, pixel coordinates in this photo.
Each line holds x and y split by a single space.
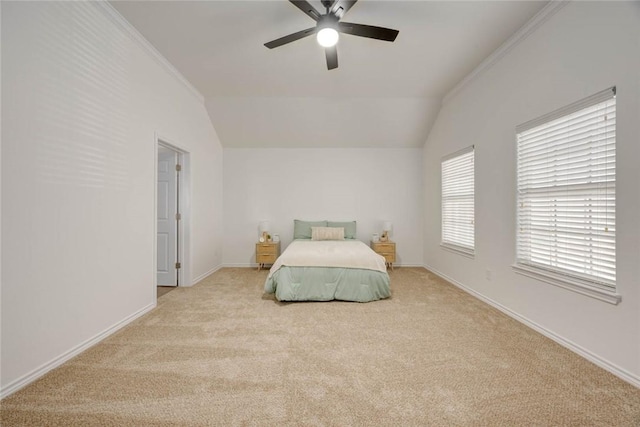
488 274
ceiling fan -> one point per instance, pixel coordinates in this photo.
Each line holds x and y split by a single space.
328 26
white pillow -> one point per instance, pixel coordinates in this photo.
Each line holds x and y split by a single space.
327 233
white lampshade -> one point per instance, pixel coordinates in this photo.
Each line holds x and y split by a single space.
327 37
264 226
387 226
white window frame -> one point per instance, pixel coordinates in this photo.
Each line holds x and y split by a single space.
583 233
455 237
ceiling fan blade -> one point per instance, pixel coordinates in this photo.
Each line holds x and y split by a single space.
340 7
290 38
308 10
332 57
380 33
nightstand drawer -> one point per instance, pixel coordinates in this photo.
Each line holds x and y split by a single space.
267 248
388 257
383 248
266 258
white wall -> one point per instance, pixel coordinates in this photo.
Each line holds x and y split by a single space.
311 122
82 101
280 185
582 49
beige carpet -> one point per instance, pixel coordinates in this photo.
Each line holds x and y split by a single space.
163 290
222 353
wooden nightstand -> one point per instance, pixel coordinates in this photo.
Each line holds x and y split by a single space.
387 250
267 253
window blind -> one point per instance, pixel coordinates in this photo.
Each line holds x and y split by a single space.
567 192
458 200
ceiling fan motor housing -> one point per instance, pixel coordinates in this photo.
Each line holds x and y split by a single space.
327 21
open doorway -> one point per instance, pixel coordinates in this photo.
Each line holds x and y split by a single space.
171 225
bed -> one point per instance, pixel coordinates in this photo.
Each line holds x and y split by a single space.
328 268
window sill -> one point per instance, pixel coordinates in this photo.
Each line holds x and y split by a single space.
469 253
570 283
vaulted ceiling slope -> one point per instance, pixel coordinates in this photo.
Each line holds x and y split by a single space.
381 95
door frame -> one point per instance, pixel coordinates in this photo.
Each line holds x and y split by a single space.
184 207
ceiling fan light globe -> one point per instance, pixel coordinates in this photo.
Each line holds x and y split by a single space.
327 37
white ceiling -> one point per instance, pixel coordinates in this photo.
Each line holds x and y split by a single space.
381 95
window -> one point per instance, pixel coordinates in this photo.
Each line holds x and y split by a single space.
566 187
458 201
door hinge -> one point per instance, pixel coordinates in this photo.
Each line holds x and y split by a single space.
178 168
178 217
177 265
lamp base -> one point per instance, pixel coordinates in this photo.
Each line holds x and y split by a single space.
384 237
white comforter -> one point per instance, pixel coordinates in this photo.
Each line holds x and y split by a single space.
330 253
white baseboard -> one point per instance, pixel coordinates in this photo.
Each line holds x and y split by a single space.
594 358
25 380
205 275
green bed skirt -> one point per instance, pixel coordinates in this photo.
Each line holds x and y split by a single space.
328 283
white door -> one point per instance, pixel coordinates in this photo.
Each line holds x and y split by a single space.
167 217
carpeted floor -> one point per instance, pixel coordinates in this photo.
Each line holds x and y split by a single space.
223 353
163 290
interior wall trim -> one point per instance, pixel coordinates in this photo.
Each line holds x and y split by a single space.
205 275
581 351
129 29
25 380
518 37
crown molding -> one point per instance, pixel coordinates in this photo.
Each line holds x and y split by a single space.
518 37
125 25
